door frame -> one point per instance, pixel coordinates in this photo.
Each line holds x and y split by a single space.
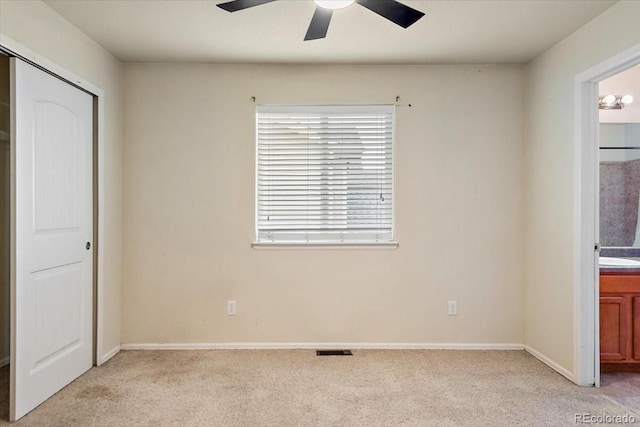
13 48
586 286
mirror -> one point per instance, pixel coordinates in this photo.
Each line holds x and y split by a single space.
620 185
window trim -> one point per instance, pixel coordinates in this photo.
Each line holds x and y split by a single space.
327 245
349 244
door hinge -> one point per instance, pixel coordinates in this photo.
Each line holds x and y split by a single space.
597 247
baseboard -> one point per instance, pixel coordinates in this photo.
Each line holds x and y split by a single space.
553 365
5 361
109 355
308 345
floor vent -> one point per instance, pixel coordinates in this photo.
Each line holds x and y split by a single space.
334 353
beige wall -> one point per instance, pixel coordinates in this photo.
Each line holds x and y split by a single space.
36 26
549 171
189 210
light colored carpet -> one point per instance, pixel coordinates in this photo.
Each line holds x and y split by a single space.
297 388
623 387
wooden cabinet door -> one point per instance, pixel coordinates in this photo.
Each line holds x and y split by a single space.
614 328
636 327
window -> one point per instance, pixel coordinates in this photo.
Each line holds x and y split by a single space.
325 174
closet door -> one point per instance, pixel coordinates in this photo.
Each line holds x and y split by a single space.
52 275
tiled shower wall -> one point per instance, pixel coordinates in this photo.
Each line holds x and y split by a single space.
619 193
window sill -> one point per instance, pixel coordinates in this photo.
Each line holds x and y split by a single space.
318 245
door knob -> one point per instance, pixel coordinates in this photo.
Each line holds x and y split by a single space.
88 245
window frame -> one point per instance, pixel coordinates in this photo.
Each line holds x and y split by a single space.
327 109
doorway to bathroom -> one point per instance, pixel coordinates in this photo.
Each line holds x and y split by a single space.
586 236
619 236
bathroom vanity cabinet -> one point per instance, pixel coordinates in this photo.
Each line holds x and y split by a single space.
620 321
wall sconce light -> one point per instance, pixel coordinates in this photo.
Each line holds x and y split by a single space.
614 102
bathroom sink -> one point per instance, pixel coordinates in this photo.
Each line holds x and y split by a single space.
618 262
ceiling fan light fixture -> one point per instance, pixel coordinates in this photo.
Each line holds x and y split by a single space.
333 4
391 10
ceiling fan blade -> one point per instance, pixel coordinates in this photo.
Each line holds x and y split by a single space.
319 24
236 5
394 11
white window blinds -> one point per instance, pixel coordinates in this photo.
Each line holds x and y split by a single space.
325 174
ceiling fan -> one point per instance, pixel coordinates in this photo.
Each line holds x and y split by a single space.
392 10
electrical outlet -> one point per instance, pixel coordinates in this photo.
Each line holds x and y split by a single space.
452 308
231 308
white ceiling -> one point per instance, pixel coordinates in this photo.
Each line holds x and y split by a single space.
460 32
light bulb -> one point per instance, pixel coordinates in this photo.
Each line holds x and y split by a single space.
609 99
333 4
627 99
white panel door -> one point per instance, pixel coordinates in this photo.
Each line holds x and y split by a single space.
52 284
